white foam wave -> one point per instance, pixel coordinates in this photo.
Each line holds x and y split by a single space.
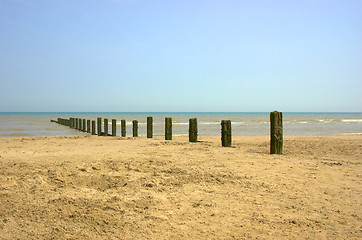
210 123
352 120
179 123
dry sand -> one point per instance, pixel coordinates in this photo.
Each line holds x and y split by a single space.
138 188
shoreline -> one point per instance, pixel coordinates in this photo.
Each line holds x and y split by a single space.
175 135
91 187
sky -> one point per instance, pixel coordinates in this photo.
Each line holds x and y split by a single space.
180 56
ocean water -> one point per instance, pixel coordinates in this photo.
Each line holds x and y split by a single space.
243 124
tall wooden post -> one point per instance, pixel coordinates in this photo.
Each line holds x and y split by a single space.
149 127
135 128
168 128
123 128
71 121
93 127
105 127
114 127
99 126
193 129
76 123
80 124
88 126
226 133
276 133
84 125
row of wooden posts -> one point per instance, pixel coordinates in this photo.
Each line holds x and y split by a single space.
276 129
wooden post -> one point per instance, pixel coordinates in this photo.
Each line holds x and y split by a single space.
76 123
80 124
114 127
93 127
135 128
105 127
226 133
123 128
88 126
71 122
99 126
193 129
84 125
168 128
149 127
276 133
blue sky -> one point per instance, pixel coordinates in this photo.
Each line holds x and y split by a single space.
189 55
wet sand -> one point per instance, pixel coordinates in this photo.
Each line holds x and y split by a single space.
138 188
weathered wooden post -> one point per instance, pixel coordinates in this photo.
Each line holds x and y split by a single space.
80 124
168 128
71 122
84 125
76 123
226 133
149 127
59 122
105 127
88 126
99 126
193 129
93 127
123 128
135 128
276 133
114 127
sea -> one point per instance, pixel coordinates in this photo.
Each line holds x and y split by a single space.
243 123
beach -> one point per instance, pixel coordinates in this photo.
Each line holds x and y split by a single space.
90 187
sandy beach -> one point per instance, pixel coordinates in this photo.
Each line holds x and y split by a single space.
139 188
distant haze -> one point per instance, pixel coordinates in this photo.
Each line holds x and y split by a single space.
189 55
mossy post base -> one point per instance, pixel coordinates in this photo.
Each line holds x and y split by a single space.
193 129
99 126
114 127
88 126
123 128
276 133
93 127
226 133
168 128
149 127
135 128
105 127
